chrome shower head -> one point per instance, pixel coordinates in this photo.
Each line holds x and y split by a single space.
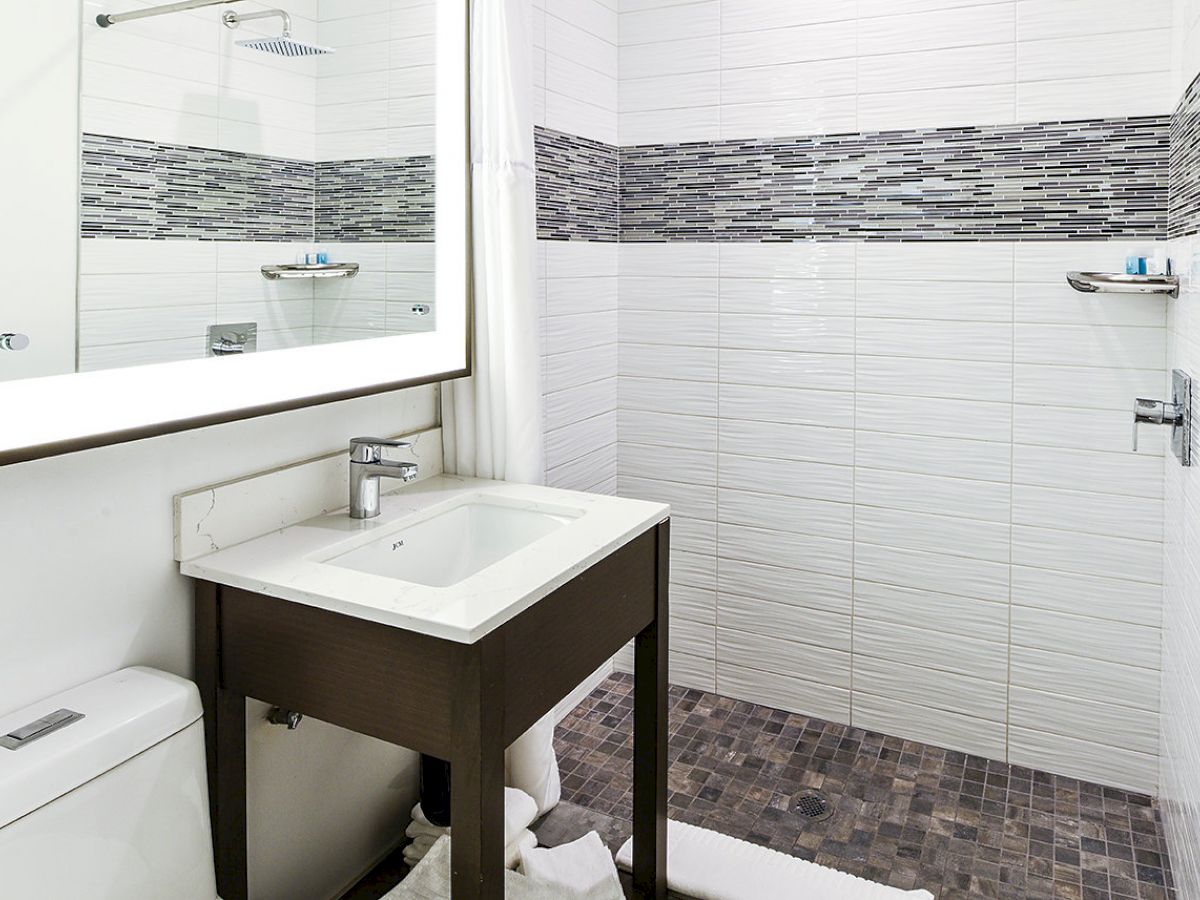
284 45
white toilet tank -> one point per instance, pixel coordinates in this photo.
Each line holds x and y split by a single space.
114 805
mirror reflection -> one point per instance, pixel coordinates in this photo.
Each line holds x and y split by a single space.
251 178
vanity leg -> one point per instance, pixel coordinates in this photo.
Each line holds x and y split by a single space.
225 749
650 738
229 826
477 774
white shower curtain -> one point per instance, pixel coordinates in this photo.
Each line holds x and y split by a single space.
492 421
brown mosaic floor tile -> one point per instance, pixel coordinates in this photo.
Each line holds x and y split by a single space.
906 814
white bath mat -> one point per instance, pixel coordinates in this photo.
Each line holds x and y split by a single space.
711 866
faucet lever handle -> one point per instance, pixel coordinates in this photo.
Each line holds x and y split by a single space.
370 450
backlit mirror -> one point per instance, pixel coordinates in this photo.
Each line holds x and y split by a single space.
207 202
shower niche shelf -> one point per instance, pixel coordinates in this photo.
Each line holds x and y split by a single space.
310 270
1101 282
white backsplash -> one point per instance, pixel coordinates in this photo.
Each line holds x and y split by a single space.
218 516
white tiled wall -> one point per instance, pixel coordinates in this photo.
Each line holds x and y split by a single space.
1181 610
575 67
903 489
395 282
180 79
707 69
1181 596
578 287
575 91
375 96
152 301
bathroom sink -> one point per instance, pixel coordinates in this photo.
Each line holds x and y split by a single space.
451 545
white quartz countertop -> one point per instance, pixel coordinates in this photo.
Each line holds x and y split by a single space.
292 563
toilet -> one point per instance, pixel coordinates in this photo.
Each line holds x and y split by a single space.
112 804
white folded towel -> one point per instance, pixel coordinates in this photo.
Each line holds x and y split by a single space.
579 867
419 849
711 866
417 829
531 765
423 843
430 880
519 812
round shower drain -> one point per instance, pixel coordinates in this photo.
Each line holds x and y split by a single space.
812 805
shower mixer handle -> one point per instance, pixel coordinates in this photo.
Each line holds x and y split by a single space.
1175 413
1153 412
12 341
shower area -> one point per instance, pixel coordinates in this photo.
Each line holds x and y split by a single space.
804 269
253 177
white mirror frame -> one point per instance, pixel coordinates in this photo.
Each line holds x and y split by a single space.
50 415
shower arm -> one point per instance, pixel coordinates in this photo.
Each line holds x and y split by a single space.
106 19
233 19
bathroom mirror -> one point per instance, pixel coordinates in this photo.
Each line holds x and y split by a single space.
216 209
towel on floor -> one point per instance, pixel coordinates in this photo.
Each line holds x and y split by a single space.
423 843
430 880
580 866
519 812
711 866
531 764
418 829
526 840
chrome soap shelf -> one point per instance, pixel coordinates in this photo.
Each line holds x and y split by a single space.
310 270
1100 282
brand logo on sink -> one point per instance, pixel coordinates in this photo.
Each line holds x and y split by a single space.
397 545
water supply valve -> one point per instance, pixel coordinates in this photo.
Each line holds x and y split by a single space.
1177 413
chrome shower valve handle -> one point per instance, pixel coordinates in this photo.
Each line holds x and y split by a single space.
1177 413
1153 412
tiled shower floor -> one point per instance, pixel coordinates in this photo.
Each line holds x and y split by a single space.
906 814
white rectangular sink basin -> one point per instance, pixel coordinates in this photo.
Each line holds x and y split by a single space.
448 556
453 544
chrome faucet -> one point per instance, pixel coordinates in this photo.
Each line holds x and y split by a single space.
367 466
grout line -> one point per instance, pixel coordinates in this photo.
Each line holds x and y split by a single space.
1012 416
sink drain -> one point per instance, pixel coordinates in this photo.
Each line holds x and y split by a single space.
812 805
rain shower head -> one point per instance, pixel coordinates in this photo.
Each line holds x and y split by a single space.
283 45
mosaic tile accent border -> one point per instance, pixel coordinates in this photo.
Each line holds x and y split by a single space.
144 189
578 188
1183 214
375 199
156 191
1096 179
1104 178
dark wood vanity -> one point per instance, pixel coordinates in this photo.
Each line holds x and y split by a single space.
461 702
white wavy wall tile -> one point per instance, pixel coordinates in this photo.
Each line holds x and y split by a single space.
706 69
1181 610
922 451
579 328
